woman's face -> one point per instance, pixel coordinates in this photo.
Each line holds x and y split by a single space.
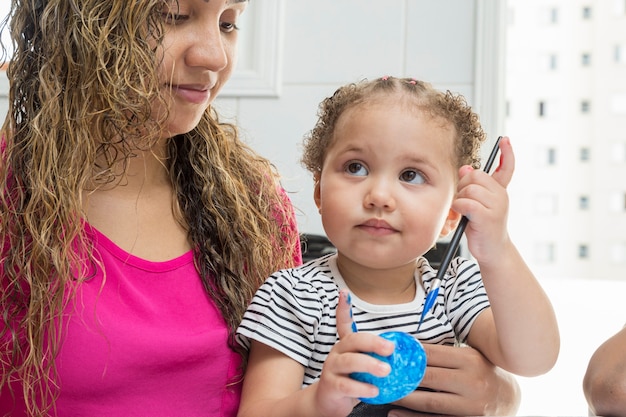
198 55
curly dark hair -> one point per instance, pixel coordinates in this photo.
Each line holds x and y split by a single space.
449 107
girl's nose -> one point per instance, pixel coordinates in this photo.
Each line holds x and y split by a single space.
208 49
379 196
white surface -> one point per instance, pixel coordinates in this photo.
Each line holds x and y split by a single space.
589 312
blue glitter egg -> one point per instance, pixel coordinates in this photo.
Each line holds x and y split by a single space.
408 364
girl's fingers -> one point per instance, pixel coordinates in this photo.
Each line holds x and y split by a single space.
344 315
504 171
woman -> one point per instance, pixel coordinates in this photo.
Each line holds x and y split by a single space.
135 225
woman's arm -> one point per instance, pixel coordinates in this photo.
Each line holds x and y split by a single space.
460 381
604 383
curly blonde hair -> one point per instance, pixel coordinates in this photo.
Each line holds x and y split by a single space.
449 107
83 81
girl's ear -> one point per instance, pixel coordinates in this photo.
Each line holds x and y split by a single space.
452 221
317 193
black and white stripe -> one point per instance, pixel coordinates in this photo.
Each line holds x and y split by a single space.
294 310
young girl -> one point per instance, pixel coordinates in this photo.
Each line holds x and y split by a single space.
135 226
394 163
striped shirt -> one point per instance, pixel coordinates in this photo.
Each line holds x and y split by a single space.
294 310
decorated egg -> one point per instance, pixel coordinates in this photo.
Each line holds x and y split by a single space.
408 364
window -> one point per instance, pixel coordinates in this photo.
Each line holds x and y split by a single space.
618 253
619 55
586 12
547 61
549 15
585 106
553 61
585 59
546 156
545 252
551 156
583 251
618 103
583 202
617 202
585 154
618 152
549 108
554 15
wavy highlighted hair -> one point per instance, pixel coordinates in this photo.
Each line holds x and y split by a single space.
83 81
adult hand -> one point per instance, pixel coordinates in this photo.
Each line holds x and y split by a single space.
463 383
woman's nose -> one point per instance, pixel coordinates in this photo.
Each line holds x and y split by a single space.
208 50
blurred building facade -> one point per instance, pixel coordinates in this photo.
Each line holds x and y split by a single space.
565 82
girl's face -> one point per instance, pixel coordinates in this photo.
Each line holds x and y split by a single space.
387 184
199 52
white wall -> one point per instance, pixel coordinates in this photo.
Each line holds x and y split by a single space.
327 43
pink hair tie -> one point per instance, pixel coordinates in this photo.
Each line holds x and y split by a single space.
413 81
384 77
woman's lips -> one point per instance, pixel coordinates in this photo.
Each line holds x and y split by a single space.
192 94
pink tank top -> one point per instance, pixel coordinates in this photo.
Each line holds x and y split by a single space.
148 342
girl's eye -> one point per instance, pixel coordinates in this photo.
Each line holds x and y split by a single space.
412 176
228 27
356 168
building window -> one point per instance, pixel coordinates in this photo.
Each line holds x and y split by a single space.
545 252
548 15
617 202
553 61
585 154
618 152
619 55
618 253
586 12
583 202
542 108
585 106
618 103
551 156
585 59
583 251
554 15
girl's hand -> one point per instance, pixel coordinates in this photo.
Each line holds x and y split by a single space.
337 393
483 199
